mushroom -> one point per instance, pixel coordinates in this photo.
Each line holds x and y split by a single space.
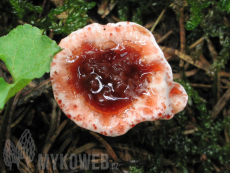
108 78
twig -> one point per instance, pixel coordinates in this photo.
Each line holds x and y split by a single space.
212 50
187 73
53 161
21 116
168 50
71 128
102 7
58 116
60 3
47 146
53 138
218 85
149 24
196 43
101 160
226 82
51 141
51 34
106 145
82 164
182 31
158 19
226 22
67 136
82 149
44 118
62 16
43 5
50 166
115 18
165 36
109 8
215 167
190 131
96 151
5 69
32 84
64 144
214 55
1 71
1 117
191 61
8 128
33 94
140 151
220 104
53 120
205 86
185 57
7 79
3 130
74 143
224 74
182 35
227 127
25 156
23 168
91 21
203 60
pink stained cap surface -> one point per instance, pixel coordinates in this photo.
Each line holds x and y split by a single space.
108 78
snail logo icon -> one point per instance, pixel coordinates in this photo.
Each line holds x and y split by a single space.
25 149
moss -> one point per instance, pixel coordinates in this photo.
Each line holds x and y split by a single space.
34 15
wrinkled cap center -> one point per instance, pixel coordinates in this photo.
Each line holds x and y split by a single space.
109 79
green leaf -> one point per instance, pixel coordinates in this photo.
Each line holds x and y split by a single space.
27 55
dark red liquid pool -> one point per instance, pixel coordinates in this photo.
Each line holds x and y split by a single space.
109 79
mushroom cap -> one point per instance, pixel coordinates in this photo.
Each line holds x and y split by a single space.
162 100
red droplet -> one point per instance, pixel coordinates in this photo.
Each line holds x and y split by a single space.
168 116
69 116
160 114
175 91
94 126
117 29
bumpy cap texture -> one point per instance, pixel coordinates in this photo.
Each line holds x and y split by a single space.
160 97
